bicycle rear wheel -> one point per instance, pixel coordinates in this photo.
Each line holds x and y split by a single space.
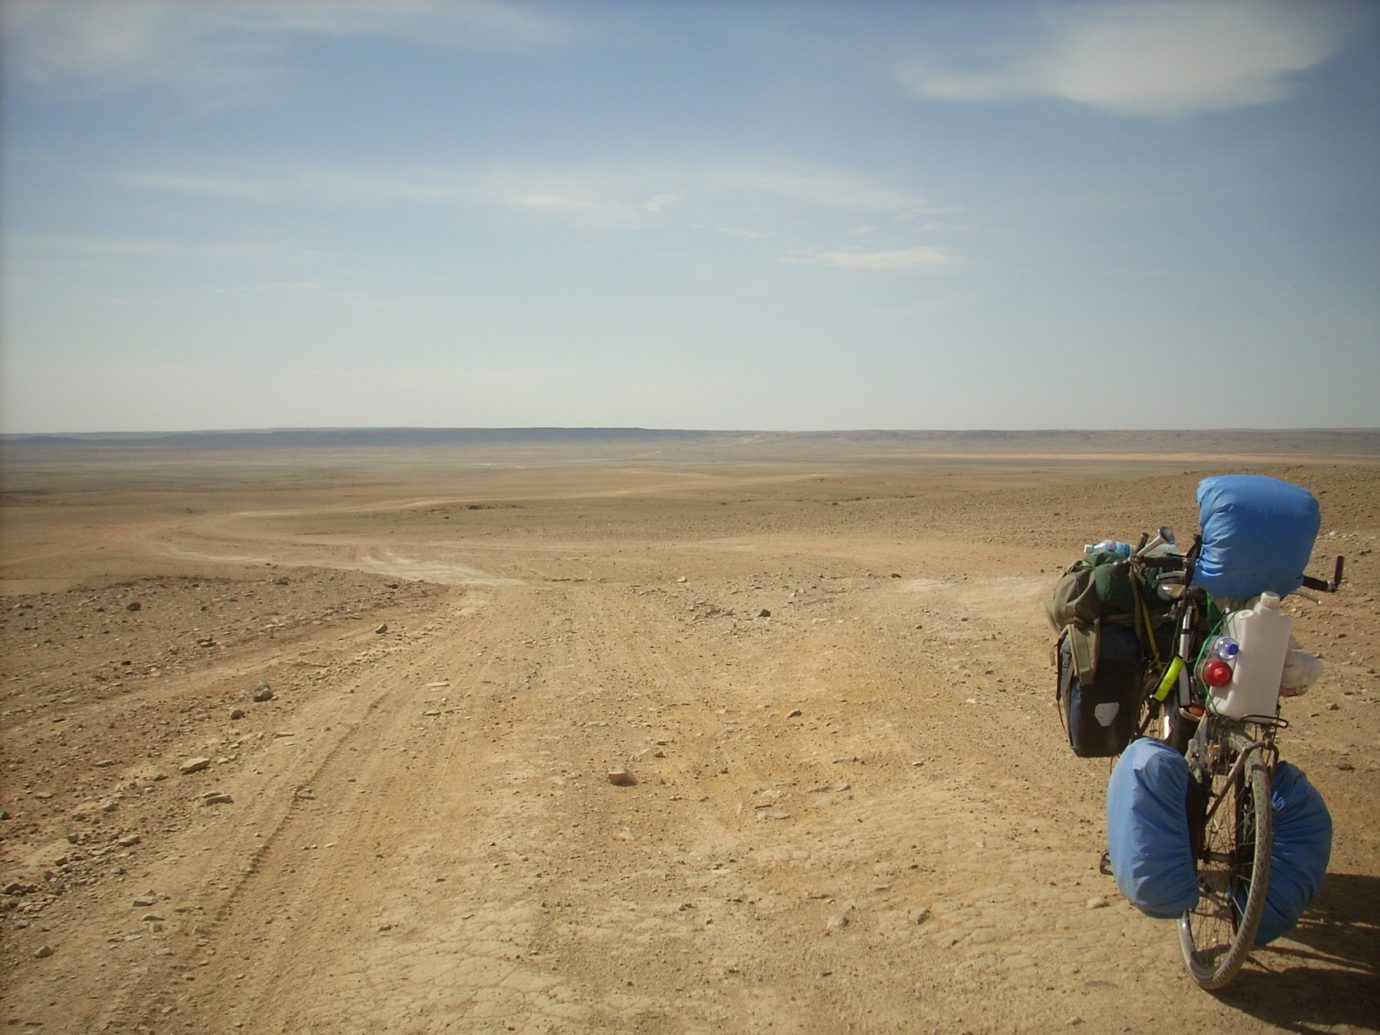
1233 871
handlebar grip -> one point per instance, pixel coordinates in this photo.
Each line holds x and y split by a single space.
1324 585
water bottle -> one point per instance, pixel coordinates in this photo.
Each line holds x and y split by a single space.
1216 665
1110 546
1226 648
1262 636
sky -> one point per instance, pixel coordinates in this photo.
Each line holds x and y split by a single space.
714 215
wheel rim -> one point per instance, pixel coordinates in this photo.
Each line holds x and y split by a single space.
1233 868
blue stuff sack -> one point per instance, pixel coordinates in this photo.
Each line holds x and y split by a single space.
1302 848
1258 535
1147 830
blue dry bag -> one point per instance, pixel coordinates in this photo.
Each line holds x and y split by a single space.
1302 847
1147 829
1258 535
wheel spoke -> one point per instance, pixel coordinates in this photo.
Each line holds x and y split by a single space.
1233 868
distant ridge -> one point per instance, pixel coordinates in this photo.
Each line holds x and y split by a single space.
1246 441
298 437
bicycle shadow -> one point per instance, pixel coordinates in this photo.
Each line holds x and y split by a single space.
1326 971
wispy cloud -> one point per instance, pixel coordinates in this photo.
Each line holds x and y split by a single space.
328 186
587 201
921 257
1161 60
662 201
154 248
472 25
220 54
738 231
818 186
629 197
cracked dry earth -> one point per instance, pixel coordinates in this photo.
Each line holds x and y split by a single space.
850 805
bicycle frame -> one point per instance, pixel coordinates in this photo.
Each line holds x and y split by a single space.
1209 736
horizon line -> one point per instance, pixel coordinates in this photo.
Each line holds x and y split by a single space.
327 429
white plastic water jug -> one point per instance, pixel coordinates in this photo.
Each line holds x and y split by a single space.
1262 631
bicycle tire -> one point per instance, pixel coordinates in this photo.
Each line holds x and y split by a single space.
1233 865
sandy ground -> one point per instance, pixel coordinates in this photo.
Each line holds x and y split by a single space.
826 670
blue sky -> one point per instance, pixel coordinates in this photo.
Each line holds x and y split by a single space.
698 215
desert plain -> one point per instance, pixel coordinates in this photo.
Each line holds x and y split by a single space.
617 732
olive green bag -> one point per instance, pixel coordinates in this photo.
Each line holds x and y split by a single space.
1103 587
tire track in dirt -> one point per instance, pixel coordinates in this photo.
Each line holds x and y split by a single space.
473 870
211 866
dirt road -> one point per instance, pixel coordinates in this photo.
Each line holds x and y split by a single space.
849 804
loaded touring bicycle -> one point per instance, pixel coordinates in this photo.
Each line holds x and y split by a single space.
1176 661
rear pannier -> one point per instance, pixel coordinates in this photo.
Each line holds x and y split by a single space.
1099 715
1114 636
1148 839
1302 848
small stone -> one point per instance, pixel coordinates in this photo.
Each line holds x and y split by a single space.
194 765
133 605
1334 706
129 841
217 798
682 580
918 915
764 613
432 712
143 901
794 713
44 952
382 628
105 763
837 922
1098 902
620 777
236 714
1346 767
206 641
109 805
263 692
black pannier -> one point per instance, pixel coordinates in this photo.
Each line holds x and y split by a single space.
1100 716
